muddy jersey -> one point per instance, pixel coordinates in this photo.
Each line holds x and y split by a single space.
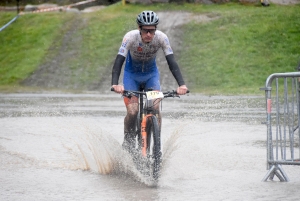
140 57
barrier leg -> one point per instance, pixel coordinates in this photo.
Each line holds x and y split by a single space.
278 171
283 173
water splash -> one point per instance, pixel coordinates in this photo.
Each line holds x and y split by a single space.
75 143
101 153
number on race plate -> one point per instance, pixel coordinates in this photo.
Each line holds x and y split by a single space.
154 94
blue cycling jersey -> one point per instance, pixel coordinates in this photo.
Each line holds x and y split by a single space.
140 66
140 56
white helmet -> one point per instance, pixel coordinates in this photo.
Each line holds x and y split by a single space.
147 18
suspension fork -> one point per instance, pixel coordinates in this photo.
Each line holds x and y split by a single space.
144 134
143 123
141 104
139 122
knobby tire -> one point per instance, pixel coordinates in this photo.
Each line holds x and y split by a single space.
153 146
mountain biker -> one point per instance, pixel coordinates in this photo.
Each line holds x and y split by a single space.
139 48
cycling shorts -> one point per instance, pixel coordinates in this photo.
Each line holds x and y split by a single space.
149 80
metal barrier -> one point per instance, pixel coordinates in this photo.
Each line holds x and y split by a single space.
11 21
283 133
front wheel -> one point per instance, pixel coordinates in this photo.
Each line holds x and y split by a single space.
153 146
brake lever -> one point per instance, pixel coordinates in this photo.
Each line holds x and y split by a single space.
172 94
175 94
128 94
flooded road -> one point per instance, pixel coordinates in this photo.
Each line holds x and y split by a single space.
68 147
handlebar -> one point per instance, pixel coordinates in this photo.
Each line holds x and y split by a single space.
172 93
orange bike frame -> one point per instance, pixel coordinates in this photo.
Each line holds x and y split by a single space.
144 134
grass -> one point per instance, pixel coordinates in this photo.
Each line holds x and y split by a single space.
237 52
24 44
233 54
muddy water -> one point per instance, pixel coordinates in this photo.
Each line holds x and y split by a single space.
67 147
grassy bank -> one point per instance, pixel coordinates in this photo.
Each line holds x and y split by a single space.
232 54
237 52
25 43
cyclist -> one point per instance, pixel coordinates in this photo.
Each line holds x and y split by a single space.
139 48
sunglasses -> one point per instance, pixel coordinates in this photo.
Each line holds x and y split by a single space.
145 31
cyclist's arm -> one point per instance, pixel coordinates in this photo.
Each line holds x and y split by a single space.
116 71
170 58
174 68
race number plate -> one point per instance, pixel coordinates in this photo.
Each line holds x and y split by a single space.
154 94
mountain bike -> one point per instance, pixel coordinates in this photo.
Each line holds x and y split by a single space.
147 155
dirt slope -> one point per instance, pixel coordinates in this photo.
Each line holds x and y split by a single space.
55 72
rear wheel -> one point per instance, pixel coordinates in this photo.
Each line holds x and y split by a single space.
153 147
